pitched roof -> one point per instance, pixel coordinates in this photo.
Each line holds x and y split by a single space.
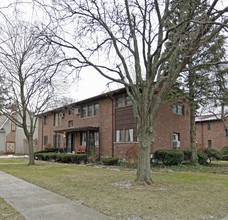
211 117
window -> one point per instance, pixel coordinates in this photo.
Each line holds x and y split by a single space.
127 100
71 111
176 140
119 102
84 139
57 139
119 135
45 140
90 110
178 109
70 123
83 111
209 126
129 135
209 144
57 119
96 109
96 138
45 120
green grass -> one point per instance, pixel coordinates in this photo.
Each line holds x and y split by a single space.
7 212
180 194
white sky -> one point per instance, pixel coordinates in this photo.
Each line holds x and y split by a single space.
90 83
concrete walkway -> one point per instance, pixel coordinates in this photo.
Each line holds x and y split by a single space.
36 203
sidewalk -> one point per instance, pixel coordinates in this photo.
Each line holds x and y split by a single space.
36 203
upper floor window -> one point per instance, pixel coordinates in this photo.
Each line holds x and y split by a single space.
58 118
209 126
123 100
178 109
45 120
119 102
70 123
90 110
71 111
127 100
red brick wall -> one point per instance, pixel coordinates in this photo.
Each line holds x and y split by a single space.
166 124
217 134
103 121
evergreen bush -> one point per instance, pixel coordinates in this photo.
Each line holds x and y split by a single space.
225 157
110 160
213 153
169 157
78 158
202 159
224 150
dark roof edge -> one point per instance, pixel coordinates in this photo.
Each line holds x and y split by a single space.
91 99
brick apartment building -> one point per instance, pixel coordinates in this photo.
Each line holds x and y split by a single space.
210 132
108 120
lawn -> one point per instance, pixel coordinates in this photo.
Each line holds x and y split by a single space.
176 193
8 213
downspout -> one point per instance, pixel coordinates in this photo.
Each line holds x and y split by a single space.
42 133
109 96
202 134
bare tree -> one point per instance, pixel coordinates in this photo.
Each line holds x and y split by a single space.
125 41
29 67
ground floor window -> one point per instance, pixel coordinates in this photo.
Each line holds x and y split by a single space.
84 139
45 140
129 135
176 140
119 135
209 143
57 140
96 138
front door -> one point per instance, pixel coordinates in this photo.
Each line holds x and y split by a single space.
69 143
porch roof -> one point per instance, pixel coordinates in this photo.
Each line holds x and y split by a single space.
69 130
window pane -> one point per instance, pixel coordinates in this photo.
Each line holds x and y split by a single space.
96 137
83 111
128 100
129 135
83 139
119 135
90 111
119 102
176 140
96 109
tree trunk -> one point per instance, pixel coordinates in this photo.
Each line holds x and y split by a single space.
194 158
31 151
145 135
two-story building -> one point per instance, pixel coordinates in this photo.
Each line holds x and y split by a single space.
211 132
108 120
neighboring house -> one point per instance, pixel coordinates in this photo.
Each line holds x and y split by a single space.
12 138
108 120
210 132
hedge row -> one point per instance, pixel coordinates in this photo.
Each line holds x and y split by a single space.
173 157
64 158
169 157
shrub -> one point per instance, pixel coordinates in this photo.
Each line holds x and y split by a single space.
78 158
187 154
38 156
110 160
169 157
212 153
202 159
64 158
225 157
224 150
